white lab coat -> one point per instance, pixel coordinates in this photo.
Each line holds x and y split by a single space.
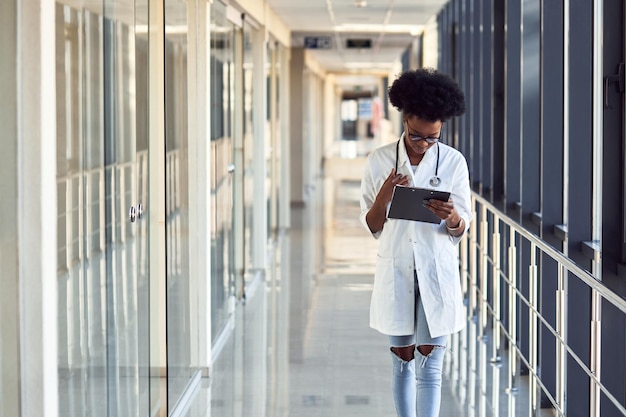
424 247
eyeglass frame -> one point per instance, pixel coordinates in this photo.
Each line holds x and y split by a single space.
429 140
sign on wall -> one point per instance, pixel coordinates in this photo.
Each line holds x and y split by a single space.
318 42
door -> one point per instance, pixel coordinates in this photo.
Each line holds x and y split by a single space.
102 189
181 285
125 54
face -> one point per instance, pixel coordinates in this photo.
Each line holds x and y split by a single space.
420 134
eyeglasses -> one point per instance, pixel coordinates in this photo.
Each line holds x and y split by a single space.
416 138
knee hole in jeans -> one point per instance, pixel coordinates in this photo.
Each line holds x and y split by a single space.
426 350
406 353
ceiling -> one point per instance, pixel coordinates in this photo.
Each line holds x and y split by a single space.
388 26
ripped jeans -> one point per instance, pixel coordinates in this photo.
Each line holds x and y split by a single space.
416 384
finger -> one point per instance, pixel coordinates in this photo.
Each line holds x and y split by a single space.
400 179
441 209
433 209
438 204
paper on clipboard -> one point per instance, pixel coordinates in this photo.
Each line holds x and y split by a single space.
406 203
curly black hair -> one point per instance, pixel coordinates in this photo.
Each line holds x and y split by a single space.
427 94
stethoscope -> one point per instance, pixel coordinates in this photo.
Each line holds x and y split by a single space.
434 181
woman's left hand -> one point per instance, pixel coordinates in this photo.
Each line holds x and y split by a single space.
444 210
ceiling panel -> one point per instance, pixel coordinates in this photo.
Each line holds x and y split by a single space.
389 24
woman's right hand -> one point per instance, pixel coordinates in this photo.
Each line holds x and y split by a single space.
377 215
386 191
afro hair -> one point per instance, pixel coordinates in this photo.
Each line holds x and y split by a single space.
427 94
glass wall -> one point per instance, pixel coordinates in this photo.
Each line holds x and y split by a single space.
248 144
102 188
152 145
543 129
222 113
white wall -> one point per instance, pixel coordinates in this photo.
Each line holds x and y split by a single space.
28 325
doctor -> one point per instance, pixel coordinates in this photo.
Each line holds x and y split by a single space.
417 298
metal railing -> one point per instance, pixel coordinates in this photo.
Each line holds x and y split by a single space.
492 285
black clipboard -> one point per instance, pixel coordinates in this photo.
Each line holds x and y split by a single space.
406 203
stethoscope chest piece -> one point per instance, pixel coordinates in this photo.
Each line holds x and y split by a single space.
435 181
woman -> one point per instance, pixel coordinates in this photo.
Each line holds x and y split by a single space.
417 298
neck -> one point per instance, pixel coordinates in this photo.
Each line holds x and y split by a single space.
415 158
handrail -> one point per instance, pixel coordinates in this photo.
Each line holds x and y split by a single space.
557 255
482 251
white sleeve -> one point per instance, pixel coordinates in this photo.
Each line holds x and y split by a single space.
368 194
462 195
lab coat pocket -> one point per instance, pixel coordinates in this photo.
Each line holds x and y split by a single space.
448 275
383 281
393 299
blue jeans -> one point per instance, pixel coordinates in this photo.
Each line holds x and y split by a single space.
416 384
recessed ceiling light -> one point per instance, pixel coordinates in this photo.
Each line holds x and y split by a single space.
360 3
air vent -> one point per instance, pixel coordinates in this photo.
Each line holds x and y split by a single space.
359 43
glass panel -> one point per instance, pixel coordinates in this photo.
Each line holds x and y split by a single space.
222 106
274 135
248 146
146 389
101 157
126 289
181 286
276 150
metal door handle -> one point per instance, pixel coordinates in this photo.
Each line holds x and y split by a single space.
132 214
139 211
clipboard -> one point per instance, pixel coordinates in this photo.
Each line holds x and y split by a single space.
406 203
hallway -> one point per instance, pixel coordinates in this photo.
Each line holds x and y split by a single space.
179 230
336 365
344 367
